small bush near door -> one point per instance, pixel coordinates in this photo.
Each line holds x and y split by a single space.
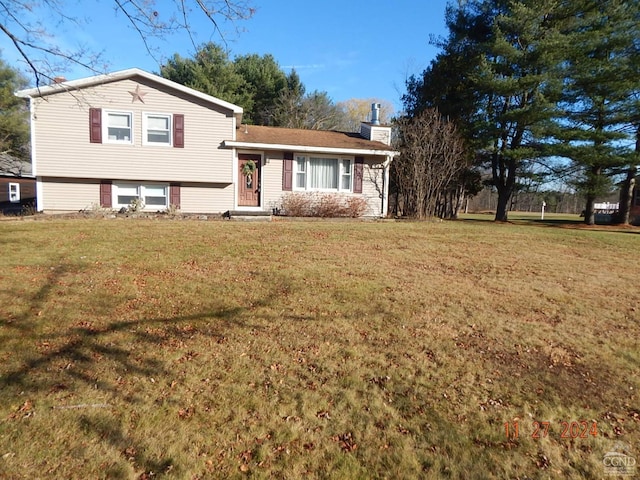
324 205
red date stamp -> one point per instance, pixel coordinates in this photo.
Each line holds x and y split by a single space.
570 429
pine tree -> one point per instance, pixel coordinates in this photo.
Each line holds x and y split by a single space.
14 118
600 79
499 79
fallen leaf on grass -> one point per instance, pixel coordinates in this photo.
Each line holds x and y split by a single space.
58 387
347 442
246 456
185 413
130 453
402 430
542 461
190 355
292 418
24 411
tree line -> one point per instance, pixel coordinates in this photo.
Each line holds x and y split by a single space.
269 95
540 83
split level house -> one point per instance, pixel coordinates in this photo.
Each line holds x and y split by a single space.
109 140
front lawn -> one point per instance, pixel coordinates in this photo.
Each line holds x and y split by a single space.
193 349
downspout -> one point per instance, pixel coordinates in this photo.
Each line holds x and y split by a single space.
235 177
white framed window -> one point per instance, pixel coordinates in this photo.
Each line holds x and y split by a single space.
126 194
301 172
156 129
152 196
118 127
345 175
324 174
14 192
155 196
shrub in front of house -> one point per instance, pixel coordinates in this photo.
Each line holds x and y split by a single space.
296 205
325 205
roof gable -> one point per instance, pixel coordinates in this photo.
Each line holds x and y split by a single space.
87 82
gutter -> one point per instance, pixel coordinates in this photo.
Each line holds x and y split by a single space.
309 149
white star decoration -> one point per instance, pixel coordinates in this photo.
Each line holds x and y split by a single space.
137 95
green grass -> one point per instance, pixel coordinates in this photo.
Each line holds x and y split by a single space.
186 349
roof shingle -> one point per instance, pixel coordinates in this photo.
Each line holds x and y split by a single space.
308 138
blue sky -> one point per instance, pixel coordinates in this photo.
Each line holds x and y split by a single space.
356 49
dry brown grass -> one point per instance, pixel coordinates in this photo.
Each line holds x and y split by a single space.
184 349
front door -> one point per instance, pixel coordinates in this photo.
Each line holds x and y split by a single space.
249 180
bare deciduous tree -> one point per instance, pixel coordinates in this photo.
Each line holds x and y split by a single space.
357 110
431 157
30 25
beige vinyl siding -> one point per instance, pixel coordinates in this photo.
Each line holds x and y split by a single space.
69 195
74 195
372 183
63 149
376 133
381 134
272 181
206 198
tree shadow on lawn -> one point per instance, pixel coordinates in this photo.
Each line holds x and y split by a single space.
580 225
56 366
48 366
555 223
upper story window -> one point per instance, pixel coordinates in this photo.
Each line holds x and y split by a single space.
118 127
110 126
157 129
318 173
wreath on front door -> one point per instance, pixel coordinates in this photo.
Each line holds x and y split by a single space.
248 169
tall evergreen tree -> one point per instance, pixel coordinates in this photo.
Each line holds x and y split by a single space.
265 81
14 119
289 112
600 74
498 78
517 84
210 71
258 84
